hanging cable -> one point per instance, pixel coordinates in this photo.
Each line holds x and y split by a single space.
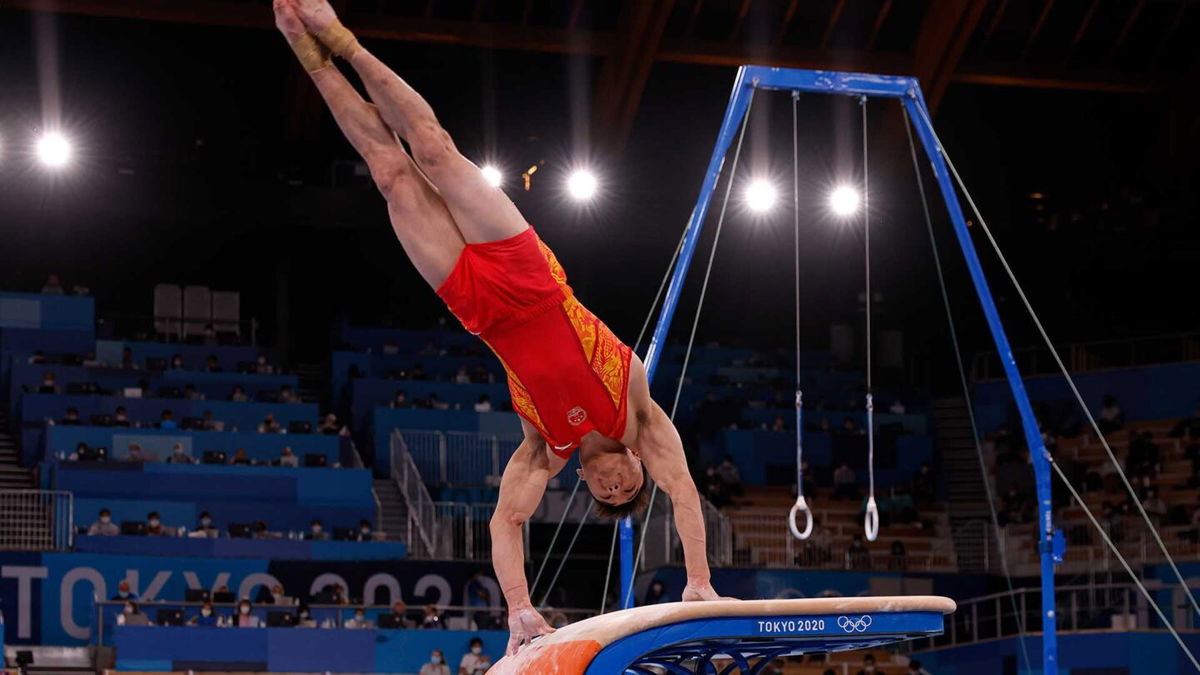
657 296
687 354
871 517
1061 366
801 506
962 377
554 540
563 561
608 570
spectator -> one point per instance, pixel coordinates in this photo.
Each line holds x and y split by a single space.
139 454
37 357
207 617
259 530
845 485
127 361
52 286
71 419
131 615
436 665
730 477
49 384
923 485
238 395
81 449
463 376
397 615
240 458
179 455
209 337
244 618
104 526
120 417
432 620
850 427
868 665
269 425
359 621
206 527
484 404
317 533
124 592
286 395
210 423
304 618
167 420
288 458
190 393
262 367
1155 507
400 400
857 555
364 531
277 596
779 424
1112 417
437 403
329 425
211 365
474 662
898 560
177 362
914 668
897 407
154 526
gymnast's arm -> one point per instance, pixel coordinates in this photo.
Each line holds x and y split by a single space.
521 489
662 453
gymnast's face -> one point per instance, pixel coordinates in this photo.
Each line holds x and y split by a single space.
613 477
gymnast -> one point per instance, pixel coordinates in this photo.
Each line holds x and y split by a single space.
575 386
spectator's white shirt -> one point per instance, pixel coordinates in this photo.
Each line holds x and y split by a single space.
475 663
108 529
483 406
289 460
363 624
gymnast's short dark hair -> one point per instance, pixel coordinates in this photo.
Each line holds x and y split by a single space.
636 504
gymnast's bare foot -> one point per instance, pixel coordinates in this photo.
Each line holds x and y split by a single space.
288 21
317 15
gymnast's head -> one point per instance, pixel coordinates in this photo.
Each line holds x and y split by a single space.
614 475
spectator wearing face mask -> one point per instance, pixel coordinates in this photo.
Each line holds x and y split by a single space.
359 621
120 417
269 425
205 526
71 418
131 615
288 458
364 531
167 420
49 385
317 533
244 618
239 395
868 667
432 620
474 662
154 526
177 362
179 455
124 592
436 665
104 526
206 618
304 618
262 367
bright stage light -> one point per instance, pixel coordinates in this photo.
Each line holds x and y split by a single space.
760 196
844 201
492 175
54 150
582 185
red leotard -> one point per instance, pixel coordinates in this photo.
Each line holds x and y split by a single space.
567 373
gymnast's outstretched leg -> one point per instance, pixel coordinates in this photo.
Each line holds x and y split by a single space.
483 213
419 215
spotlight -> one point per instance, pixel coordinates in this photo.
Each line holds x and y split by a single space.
492 175
582 185
54 150
844 201
760 196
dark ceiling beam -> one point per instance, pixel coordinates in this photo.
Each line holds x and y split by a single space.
623 76
1036 30
786 23
832 24
882 16
1127 28
1032 77
691 24
945 31
1084 23
573 18
741 19
997 17
1169 34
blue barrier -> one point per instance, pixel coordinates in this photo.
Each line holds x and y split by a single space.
759 455
370 393
437 368
194 356
1144 393
287 499
259 447
278 549
158 648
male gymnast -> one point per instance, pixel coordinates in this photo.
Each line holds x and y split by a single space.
574 384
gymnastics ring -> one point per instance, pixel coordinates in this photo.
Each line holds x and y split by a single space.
801 506
871 521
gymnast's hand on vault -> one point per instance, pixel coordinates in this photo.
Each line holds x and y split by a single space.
700 591
524 624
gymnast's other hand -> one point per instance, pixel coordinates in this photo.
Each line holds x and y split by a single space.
524 624
698 591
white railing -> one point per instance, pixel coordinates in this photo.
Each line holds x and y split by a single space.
465 528
1091 607
423 531
663 546
465 457
36 520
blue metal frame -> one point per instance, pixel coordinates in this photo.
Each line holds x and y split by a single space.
908 91
752 642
